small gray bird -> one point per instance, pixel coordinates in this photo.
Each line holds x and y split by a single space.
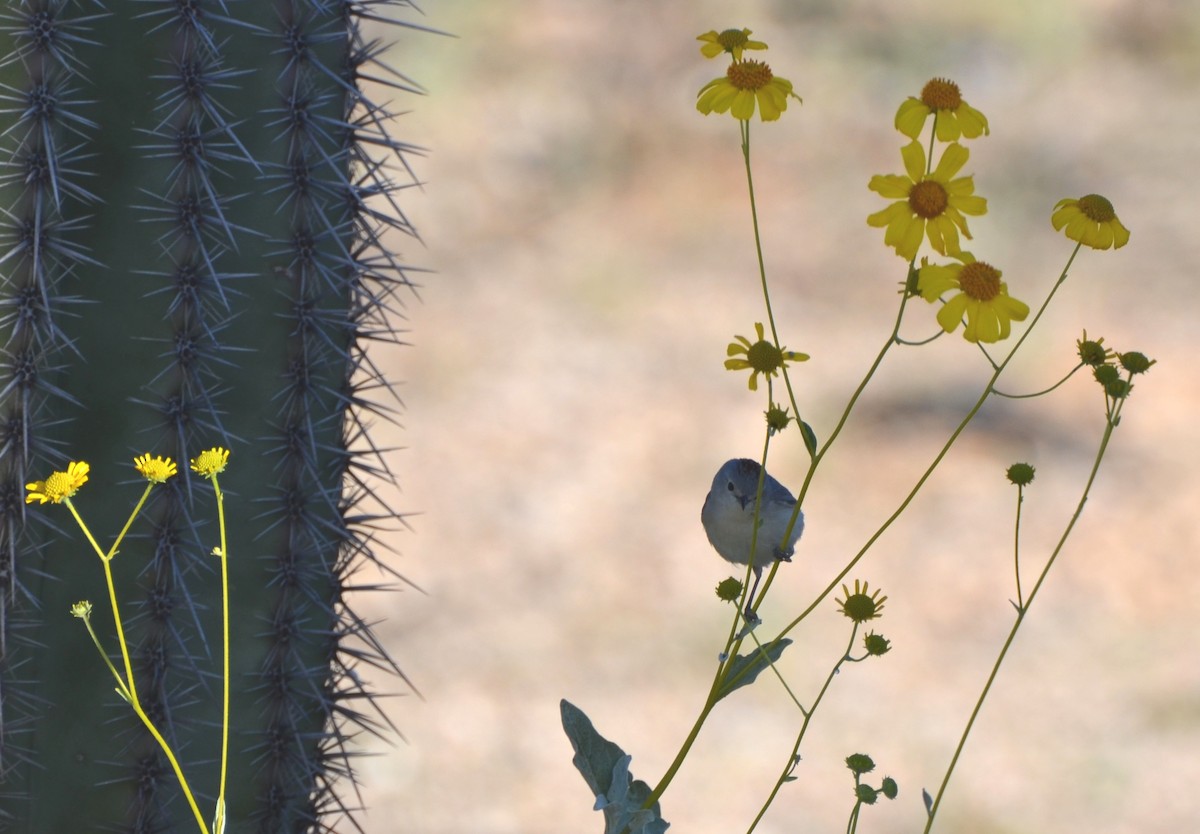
728 518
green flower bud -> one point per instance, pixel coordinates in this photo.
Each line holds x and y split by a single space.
1105 374
1136 363
777 419
860 763
1093 352
876 644
866 794
1021 474
1118 389
729 590
889 788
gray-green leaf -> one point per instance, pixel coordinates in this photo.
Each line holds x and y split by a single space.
605 768
748 666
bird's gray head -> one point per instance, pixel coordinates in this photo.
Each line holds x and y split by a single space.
738 479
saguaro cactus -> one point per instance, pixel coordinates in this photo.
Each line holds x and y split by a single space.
196 194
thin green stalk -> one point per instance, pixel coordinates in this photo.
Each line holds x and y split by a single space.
122 688
1108 430
225 649
808 714
908 499
175 766
130 688
762 269
1017 546
1043 392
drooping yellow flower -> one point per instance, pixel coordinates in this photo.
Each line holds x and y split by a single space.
762 357
982 298
156 470
211 462
732 41
59 485
1092 221
744 83
932 204
955 117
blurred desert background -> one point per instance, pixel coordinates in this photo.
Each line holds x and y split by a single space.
566 408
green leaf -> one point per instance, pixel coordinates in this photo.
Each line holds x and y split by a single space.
810 438
749 666
605 768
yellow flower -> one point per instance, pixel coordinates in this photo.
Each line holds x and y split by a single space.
762 357
731 40
211 462
926 203
60 485
983 298
744 83
954 117
860 606
1090 220
156 470
81 609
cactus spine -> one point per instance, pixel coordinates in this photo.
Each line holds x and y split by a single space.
195 196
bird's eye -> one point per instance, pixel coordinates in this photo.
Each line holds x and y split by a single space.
729 486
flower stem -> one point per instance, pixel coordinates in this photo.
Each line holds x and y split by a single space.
129 686
908 499
225 649
808 714
1113 419
1017 546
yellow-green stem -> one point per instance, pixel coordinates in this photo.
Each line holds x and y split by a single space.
808 714
1108 430
122 688
987 390
1017 546
762 269
224 643
130 688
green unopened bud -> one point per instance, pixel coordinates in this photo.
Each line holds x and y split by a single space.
729 590
889 788
876 644
1136 363
1105 374
1118 389
866 794
860 763
1020 474
1093 352
777 419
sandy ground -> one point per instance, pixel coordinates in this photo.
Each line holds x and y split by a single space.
567 407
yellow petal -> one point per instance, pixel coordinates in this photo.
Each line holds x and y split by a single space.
953 159
914 160
910 118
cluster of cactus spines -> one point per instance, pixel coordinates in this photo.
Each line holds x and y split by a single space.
199 214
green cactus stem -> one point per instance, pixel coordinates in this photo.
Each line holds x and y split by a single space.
199 213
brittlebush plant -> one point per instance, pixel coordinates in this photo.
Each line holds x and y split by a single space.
59 488
926 223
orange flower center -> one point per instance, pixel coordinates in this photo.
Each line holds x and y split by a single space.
732 38
59 485
749 75
1097 208
928 199
941 94
980 281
